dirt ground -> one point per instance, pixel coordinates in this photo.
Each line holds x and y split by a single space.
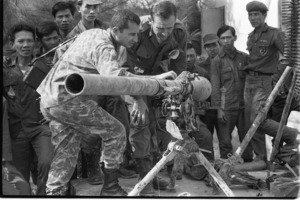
184 187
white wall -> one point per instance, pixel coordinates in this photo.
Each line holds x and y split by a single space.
236 15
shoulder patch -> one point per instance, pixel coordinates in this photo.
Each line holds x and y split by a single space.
7 61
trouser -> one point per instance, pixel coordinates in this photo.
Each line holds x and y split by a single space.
22 155
211 120
164 138
69 121
115 106
203 138
143 137
277 108
234 118
13 182
257 90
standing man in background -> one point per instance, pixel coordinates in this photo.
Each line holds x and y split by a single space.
89 10
49 37
63 13
211 46
26 125
264 44
227 71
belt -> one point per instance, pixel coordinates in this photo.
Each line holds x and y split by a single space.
254 73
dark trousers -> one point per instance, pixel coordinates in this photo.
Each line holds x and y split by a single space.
277 109
257 90
22 155
211 120
204 139
234 118
143 136
13 182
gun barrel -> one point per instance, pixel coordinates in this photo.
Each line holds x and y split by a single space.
95 84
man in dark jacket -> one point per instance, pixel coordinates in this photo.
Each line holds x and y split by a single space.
25 119
161 36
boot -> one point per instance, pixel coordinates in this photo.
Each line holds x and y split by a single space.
158 182
95 176
127 174
111 185
143 167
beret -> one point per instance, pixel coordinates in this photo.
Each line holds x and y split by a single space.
256 6
210 38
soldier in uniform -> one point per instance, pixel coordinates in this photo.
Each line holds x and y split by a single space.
227 71
160 34
89 10
264 44
26 125
94 51
63 13
211 46
49 38
192 63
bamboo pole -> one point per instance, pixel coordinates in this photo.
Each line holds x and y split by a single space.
153 172
283 118
214 174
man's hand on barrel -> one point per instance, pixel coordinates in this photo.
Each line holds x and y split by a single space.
138 112
169 74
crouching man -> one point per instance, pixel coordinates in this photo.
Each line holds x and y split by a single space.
94 51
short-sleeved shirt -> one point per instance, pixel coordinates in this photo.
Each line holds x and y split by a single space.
148 54
79 28
23 104
264 50
227 70
93 52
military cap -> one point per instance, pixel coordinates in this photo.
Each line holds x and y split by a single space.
91 2
256 6
210 38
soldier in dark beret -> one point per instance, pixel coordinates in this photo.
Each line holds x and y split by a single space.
264 44
256 6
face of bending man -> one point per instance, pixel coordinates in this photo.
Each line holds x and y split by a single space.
163 28
128 36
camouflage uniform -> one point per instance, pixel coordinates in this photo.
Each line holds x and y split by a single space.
69 122
94 52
